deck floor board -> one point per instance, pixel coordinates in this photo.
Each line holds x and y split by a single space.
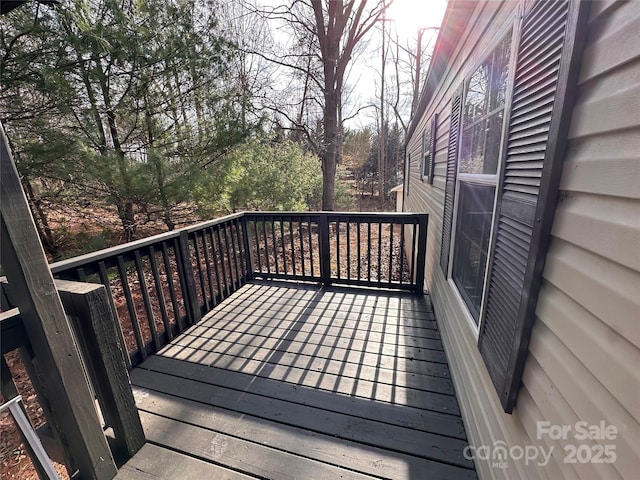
296 381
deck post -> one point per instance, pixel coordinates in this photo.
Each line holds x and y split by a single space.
59 365
323 245
421 254
100 338
184 259
248 247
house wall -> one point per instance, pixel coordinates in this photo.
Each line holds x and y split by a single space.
584 353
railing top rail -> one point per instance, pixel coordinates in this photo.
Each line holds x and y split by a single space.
403 218
389 215
92 257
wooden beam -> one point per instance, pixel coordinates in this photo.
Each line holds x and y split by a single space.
33 291
105 353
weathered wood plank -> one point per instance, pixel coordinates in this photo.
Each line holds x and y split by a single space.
324 448
105 353
351 364
327 301
154 462
248 457
235 350
307 323
370 390
400 415
421 444
32 290
357 320
323 373
330 335
328 350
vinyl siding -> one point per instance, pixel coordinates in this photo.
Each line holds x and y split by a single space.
585 345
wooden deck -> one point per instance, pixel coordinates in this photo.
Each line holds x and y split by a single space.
290 381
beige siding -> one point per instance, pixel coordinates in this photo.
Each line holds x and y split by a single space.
585 344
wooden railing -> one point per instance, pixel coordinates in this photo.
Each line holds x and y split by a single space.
97 335
364 249
163 284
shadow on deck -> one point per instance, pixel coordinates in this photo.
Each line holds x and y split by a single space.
284 380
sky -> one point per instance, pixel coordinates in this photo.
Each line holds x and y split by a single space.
405 17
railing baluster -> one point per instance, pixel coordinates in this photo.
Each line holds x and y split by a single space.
304 273
390 252
273 238
216 264
235 245
266 244
222 263
421 254
414 239
242 250
203 290
189 287
232 277
359 251
284 253
310 245
257 244
146 300
293 252
133 316
207 263
183 282
323 242
379 252
160 293
401 266
368 251
81 275
337 227
172 289
348 250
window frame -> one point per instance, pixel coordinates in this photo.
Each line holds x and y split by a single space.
425 159
510 28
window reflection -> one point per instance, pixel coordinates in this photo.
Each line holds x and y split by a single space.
484 113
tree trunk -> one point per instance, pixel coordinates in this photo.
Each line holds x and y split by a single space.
330 150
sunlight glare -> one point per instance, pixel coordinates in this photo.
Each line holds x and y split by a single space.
410 15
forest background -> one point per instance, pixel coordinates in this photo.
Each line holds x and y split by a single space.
127 118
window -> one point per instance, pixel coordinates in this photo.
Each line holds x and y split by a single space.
483 114
407 175
428 150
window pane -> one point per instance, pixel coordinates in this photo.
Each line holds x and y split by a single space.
475 210
477 93
426 151
484 113
472 148
499 74
492 143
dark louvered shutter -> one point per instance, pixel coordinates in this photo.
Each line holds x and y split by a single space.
548 55
432 148
450 187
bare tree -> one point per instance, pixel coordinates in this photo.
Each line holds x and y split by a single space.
323 36
339 27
